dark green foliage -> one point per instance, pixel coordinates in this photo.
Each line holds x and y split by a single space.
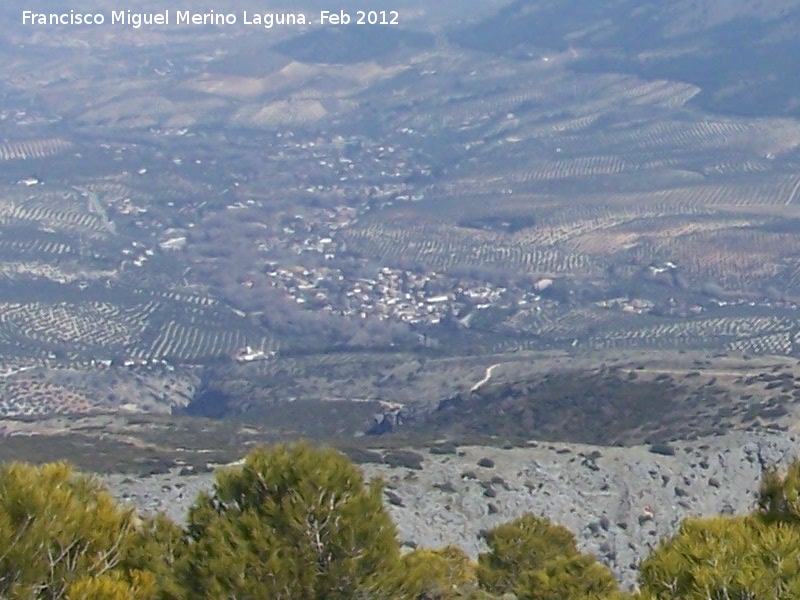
578 577
745 558
536 560
62 535
722 558
444 574
571 407
157 547
292 523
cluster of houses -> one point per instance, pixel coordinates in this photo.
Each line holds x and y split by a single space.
416 298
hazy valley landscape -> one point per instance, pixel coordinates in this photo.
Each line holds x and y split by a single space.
562 236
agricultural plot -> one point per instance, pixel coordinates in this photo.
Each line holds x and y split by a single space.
675 134
672 225
743 165
70 218
559 325
441 248
27 397
733 258
631 90
175 296
760 334
16 359
122 325
116 187
767 190
740 178
694 138
576 239
124 110
588 166
669 94
473 111
781 344
56 273
690 146
724 247
39 247
42 392
680 225
189 329
152 390
281 114
30 149
56 210
600 235
789 277
85 327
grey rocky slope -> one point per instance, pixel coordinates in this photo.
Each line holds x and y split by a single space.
618 501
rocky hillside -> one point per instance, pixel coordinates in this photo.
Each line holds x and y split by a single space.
619 501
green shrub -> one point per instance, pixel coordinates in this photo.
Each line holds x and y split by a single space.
725 557
293 522
442 574
63 535
536 560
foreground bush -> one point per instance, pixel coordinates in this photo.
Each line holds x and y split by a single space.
725 557
62 535
536 560
445 574
293 523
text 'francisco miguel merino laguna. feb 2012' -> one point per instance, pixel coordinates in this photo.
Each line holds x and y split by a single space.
269 20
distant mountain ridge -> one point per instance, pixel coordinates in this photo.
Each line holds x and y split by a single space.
742 54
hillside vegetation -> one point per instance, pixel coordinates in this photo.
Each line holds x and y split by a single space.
298 522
